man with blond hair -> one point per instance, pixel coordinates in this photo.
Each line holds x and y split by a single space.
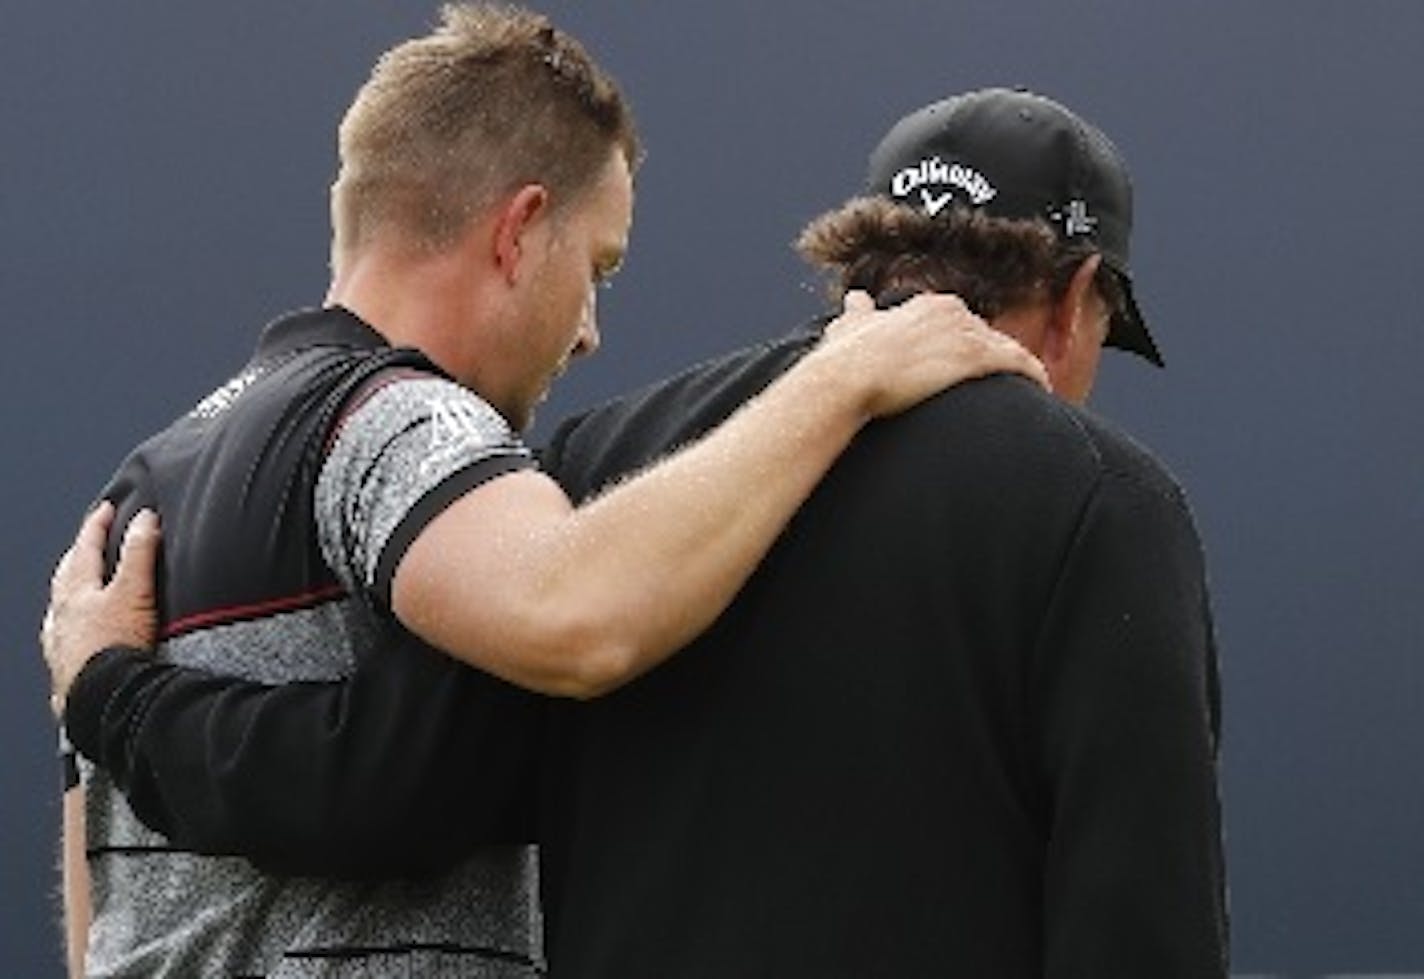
358 496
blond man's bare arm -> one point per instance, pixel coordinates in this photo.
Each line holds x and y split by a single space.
514 579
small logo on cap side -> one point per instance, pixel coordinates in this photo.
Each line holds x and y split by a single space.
932 172
1076 220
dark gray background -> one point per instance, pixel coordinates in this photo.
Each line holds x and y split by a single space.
162 193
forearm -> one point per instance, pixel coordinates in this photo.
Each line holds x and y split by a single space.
609 590
74 876
349 779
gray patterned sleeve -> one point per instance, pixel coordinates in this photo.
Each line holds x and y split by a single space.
404 454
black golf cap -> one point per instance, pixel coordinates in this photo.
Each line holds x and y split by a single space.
1015 154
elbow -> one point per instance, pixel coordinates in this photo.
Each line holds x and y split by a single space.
585 658
587 668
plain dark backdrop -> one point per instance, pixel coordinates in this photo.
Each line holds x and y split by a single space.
162 193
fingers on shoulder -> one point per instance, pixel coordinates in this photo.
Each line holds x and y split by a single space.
139 552
142 531
86 552
95 526
858 301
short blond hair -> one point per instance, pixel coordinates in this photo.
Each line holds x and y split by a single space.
494 98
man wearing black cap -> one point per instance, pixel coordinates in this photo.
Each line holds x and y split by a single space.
963 720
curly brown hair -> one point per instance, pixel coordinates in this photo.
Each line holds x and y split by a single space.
494 98
992 263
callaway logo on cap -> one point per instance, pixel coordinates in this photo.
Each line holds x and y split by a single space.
1014 154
